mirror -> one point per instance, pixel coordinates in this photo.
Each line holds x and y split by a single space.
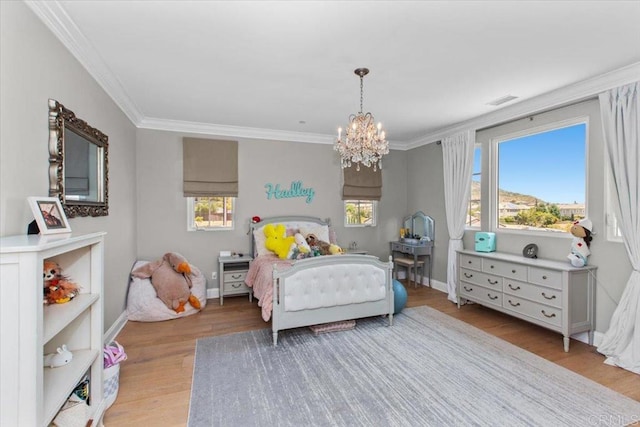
422 226
78 164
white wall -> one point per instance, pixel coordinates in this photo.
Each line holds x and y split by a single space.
162 212
35 66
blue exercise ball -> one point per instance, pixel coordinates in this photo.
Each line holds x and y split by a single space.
399 297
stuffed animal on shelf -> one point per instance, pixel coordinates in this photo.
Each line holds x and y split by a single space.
277 240
581 231
322 247
61 357
58 289
171 278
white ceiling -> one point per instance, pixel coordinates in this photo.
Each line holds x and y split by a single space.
284 69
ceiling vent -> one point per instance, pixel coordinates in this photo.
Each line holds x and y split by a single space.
502 100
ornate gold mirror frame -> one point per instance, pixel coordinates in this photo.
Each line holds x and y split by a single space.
78 164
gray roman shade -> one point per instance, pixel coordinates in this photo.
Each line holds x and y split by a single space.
364 184
209 167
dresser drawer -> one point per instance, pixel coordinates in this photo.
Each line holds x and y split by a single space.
506 269
531 292
545 277
235 276
540 312
482 279
231 288
481 294
471 262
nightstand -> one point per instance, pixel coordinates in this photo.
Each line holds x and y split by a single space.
233 270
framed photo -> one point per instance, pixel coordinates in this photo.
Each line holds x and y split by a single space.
49 215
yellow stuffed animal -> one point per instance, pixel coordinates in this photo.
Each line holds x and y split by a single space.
277 240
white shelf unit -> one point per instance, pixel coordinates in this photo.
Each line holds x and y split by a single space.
31 394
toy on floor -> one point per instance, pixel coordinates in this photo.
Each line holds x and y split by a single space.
581 231
58 289
171 278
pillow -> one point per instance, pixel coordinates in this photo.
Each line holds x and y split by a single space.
321 232
259 238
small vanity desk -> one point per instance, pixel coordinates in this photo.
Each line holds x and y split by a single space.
416 243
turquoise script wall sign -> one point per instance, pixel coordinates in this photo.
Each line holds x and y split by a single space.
295 190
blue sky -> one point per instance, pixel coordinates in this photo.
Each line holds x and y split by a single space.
548 165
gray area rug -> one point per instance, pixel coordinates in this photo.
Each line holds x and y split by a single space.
428 369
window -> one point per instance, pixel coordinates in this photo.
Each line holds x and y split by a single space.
474 211
359 213
541 178
210 213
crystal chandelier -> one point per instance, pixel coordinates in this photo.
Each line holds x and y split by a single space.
363 142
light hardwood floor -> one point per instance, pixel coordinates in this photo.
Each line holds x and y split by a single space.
155 381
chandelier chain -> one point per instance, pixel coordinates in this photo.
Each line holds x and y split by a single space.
361 91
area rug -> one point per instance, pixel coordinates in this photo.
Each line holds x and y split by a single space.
428 369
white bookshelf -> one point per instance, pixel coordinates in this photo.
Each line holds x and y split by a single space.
30 393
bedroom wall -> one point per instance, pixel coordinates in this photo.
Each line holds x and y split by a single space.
162 210
35 66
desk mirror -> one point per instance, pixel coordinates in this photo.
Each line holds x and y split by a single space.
78 163
422 226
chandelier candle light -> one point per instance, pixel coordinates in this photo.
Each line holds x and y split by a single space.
363 142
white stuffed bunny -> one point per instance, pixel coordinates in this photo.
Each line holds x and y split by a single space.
60 358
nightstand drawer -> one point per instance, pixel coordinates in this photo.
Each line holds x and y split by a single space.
235 276
235 288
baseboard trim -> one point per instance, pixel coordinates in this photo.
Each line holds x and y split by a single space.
213 293
115 328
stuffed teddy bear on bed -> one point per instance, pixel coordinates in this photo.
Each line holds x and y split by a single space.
324 248
171 278
581 231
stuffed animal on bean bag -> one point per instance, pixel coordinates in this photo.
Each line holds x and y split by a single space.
324 248
277 240
171 278
581 231
58 288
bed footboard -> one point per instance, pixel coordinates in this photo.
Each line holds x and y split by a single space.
330 289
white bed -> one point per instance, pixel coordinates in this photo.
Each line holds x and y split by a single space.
316 290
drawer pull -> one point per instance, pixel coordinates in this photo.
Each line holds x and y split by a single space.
514 305
467 289
490 297
491 266
544 277
468 276
513 271
470 262
493 283
548 315
236 276
551 297
236 285
516 288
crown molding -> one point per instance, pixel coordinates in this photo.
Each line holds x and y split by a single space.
53 15
566 95
242 132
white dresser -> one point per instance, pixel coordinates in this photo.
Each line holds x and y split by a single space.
31 394
552 294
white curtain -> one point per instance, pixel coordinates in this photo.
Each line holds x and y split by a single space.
620 109
457 153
